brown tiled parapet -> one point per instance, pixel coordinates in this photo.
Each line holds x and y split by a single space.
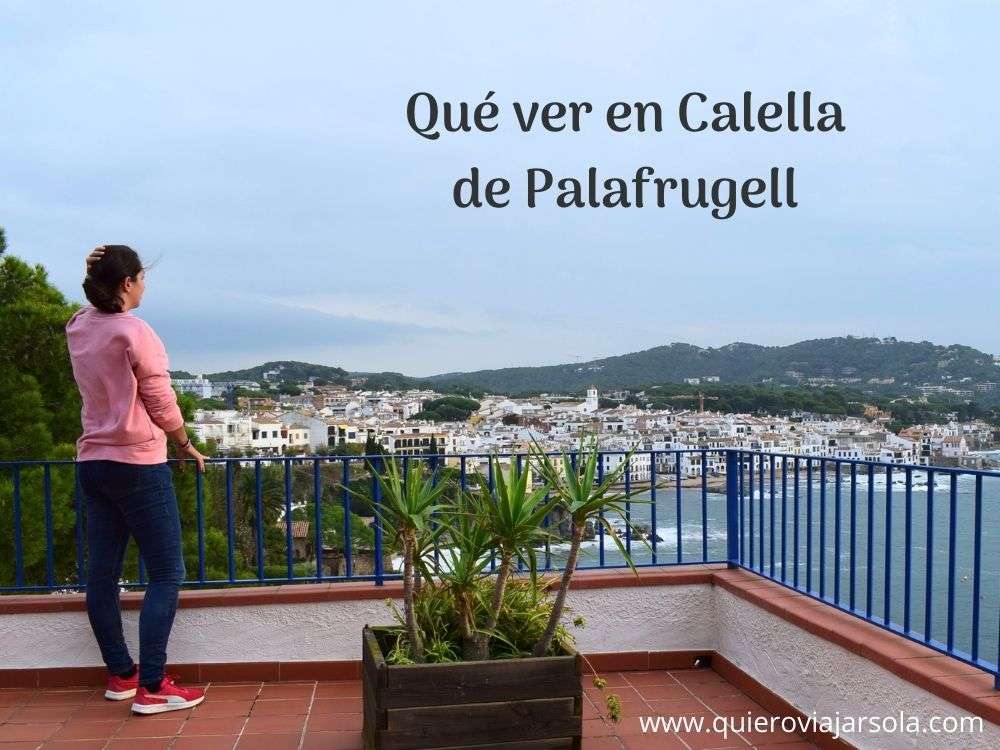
964 686
301 593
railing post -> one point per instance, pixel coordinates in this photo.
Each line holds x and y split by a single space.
732 509
377 525
996 677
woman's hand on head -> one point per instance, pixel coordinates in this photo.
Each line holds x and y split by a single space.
95 255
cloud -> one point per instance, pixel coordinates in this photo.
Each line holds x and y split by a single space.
377 308
221 325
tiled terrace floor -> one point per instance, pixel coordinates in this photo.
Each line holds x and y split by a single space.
327 715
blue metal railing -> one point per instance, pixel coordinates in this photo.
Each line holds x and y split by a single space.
938 589
43 508
913 549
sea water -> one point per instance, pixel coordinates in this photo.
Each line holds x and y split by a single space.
888 500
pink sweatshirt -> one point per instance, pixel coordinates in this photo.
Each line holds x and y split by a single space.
120 366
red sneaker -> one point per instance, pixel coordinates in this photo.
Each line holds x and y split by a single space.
171 697
121 688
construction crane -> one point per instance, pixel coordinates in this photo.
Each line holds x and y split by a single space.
702 398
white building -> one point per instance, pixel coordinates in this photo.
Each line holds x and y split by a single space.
196 386
319 435
954 447
234 433
638 465
298 437
266 435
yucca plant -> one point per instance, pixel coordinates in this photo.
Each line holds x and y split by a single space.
467 558
410 500
583 500
512 513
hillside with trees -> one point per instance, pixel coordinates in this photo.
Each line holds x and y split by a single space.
447 409
287 372
844 358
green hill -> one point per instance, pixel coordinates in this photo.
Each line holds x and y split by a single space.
288 372
846 360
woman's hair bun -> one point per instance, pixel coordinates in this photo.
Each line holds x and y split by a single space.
103 282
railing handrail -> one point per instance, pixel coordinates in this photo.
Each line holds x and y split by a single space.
523 454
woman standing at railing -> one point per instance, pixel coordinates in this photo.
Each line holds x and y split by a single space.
129 410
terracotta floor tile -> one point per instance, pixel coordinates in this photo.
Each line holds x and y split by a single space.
591 711
223 708
597 700
597 728
333 741
711 741
679 707
281 707
328 715
207 725
27 732
88 730
75 744
653 742
663 692
713 689
334 722
236 683
626 694
144 726
150 743
287 690
768 739
277 724
337 706
105 709
685 676
61 697
15 697
217 742
31 713
630 708
18 745
614 679
630 726
733 704
343 689
269 741
637 679
232 692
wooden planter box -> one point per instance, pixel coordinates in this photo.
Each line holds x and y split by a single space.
505 704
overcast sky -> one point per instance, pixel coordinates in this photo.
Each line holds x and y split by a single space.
260 152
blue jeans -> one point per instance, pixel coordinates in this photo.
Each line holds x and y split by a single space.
134 500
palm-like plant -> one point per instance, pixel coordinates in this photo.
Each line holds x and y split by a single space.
583 500
409 501
246 521
512 513
466 559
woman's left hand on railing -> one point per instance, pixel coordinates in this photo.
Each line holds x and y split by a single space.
189 451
